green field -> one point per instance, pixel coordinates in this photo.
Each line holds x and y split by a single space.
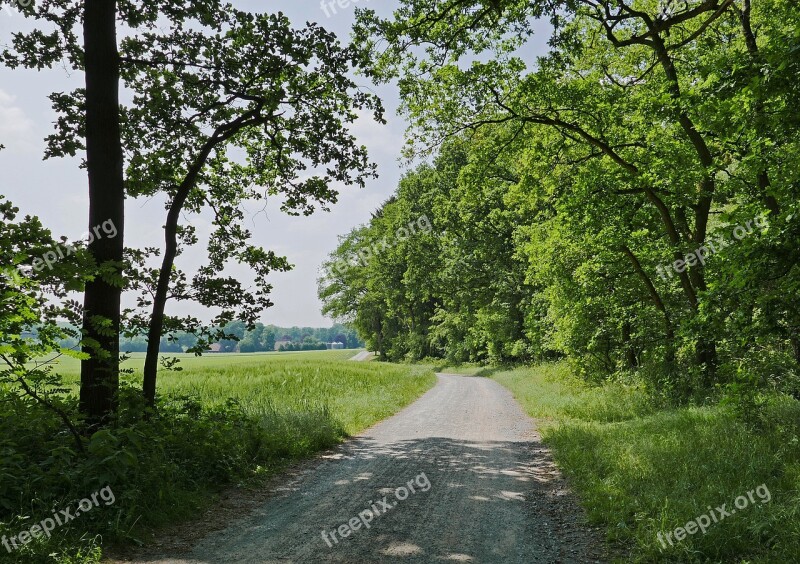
641 470
356 394
70 367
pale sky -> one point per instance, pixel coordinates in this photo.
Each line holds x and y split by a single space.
56 190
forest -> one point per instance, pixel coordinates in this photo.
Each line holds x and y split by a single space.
628 201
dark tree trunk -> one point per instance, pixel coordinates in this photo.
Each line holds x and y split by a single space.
795 340
631 360
706 356
101 321
159 304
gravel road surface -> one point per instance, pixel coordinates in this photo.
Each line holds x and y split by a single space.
362 356
485 490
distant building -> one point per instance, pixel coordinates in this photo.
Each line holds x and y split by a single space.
334 345
282 343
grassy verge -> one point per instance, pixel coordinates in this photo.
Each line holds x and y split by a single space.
642 470
222 420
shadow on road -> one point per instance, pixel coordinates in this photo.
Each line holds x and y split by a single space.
490 502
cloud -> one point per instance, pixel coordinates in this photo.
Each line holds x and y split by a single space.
16 129
382 141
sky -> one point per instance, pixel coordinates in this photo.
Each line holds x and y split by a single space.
56 190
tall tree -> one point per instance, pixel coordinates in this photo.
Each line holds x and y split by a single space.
102 296
205 78
84 36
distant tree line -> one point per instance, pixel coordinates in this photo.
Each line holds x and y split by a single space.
262 338
309 345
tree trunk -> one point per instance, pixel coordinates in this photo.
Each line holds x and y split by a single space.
162 290
157 319
101 320
706 357
795 340
669 331
631 360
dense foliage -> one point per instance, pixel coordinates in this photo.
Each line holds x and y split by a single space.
628 200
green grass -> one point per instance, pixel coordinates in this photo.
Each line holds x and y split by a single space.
357 394
640 469
222 420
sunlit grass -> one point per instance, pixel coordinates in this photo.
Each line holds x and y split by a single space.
356 394
641 470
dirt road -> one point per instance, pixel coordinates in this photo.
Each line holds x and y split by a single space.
362 356
460 476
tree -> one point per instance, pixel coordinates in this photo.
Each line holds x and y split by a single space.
268 342
254 340
204 79
97 57
234 332
589 182
282 96
102 296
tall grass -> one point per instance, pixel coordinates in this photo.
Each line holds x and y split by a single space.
356 394
641 469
